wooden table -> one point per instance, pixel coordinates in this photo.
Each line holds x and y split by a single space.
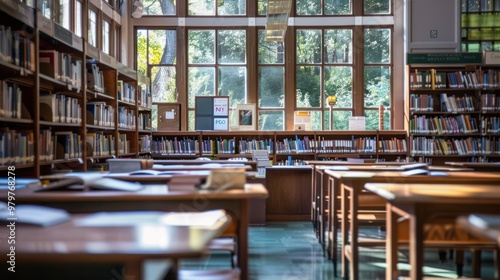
352 191
156 197
422 203
68 244
477 166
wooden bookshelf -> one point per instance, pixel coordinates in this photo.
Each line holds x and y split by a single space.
457 118
60 103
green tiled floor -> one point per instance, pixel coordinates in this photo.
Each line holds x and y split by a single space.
290 251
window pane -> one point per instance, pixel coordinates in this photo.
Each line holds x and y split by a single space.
316 120
158 8
262 7
338 7
340 120
45 7
105 37
271 87
191 118
270 52
377 6
78 19
377 86
162 48
309 46
201 46
373 121
201 7
338 46
338 82
64 14
231 7
92 28
377 45
271 120
308 7
163 87
142 51
201 82
233 83
308 86
232 46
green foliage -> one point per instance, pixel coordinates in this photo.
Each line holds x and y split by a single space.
308 86
308 7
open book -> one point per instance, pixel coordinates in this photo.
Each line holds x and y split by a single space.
88 181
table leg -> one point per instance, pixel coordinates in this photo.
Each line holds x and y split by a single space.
344 227
391 244
354 229
416 244
243 239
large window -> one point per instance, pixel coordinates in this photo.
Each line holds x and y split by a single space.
340 48
92 28
216 66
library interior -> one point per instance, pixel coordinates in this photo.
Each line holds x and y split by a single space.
240 139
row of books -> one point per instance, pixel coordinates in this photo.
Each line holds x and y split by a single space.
46 145
393 145
474 6
95 78
10 100
460 124
99 144
354 145
451 146
185 146
490 125
490 102
67 145
126 118
126 92
249 145
101 114
62 67
60 108
123 144
144 143
16 146
145 99
483 33
297 145
144 121
433 79
16 48
421 102
454 103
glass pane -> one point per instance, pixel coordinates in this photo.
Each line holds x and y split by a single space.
338 7
377 6
377 45
163 87
338 82
308 93
191 120
201 7
65 14
372 121
262 7
271 120
232 46
117 45
201 82
377 86
142 54
271 87
270 52
308 7
162 46
201 46
338 46
158 8
78 19
92 28
231 7
316 120
309 46
233 83
45 7
340 120
105 37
